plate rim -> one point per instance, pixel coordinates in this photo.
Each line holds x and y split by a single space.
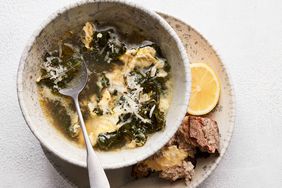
232 95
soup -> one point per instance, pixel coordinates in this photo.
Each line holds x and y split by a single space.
127 95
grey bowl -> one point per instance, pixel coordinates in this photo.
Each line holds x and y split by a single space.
131 18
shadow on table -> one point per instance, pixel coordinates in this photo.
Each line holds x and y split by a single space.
78 176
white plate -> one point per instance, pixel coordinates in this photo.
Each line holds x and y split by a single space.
198 50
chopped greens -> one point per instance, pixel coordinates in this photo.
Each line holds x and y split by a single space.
103 81
135 129
105 49
59 68
60 113
129 131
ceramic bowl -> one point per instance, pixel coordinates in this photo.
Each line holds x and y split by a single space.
131 18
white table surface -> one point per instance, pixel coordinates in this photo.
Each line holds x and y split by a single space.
246 34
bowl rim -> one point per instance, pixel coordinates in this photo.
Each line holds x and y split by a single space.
53 16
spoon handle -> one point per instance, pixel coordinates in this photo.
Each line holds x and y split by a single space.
96 173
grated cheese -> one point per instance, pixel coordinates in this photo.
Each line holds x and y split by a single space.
130 96
99 35
152 110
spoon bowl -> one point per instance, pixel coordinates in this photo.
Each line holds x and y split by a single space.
76 85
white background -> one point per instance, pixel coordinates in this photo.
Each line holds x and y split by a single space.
246 33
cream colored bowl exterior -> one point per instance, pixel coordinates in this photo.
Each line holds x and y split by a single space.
132 18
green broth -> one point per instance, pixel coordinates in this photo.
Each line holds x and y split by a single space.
121 101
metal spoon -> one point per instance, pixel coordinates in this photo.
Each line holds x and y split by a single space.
96 173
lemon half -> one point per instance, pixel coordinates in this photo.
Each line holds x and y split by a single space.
205 89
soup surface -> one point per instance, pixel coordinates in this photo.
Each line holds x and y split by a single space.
127 94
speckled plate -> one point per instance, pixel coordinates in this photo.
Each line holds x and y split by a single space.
198 50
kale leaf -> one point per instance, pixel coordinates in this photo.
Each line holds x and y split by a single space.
58 69
106 48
